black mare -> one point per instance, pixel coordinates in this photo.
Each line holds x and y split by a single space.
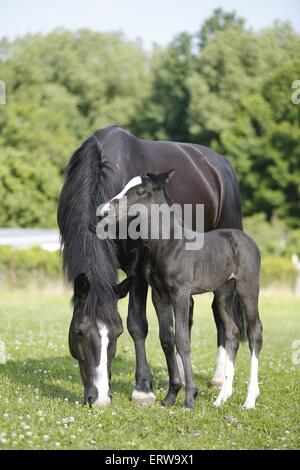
226 262
97 171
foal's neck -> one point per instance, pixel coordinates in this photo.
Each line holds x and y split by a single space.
168 228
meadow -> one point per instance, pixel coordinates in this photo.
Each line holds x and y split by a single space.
41 392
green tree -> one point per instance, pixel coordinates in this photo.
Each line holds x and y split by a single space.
29 188
219 21
163 114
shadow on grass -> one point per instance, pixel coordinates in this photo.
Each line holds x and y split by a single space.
61 369
61 378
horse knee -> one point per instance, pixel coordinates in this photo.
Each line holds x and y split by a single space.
167 344
137 330
183 346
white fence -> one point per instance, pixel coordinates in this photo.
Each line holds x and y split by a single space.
47 239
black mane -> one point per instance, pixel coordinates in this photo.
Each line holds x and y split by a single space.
90 180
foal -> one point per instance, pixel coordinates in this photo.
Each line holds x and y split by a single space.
228 264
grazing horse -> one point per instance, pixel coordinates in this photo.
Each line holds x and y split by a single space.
97 171
228 264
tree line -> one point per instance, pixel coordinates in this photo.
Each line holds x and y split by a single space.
225 86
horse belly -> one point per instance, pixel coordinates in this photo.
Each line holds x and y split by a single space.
209 281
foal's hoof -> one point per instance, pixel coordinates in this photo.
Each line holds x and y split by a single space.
189 405
169 400
143 398
216 383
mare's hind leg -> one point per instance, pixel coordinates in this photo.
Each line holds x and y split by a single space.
218 376
232 340
178 358
164 312
254 333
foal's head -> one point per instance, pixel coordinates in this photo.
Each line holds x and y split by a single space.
145 190
93 344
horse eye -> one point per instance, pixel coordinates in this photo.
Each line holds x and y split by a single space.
140 192
79 333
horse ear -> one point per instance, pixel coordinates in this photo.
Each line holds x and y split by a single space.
162 178
168 175
81 286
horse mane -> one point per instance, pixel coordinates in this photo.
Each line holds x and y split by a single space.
90 180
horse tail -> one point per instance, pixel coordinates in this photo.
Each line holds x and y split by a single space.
239 316
90 180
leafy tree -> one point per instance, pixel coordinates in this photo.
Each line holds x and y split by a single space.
29 188
219 21
164 111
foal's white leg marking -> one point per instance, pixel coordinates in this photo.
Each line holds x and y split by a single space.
219 374
226 389
101 378
181 369
253 388
133 182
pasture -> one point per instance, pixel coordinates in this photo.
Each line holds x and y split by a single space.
41 393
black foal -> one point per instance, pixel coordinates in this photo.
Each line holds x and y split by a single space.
228 264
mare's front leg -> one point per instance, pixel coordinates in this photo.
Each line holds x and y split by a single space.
164 312
138 328
182 339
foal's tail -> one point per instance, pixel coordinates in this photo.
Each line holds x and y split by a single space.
239 316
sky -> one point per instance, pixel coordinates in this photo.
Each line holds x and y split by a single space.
149 20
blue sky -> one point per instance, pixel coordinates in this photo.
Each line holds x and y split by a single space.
150 20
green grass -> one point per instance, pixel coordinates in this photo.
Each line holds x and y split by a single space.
41 392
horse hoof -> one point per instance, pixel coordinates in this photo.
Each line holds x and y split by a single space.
168 402
143 398
216 383
188 405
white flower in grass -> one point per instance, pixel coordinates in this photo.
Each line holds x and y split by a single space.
40 413
57 444
46 438
21 437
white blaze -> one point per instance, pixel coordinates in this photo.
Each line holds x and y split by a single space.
133 182
101 378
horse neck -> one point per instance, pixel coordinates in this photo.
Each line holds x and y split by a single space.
172 226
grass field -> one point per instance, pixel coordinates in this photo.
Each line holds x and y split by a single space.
41 394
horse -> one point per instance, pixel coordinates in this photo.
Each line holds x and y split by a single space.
227 264
96 172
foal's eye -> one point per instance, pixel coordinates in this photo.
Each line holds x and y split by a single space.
141 191
79 333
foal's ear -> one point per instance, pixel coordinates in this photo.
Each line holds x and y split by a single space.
162 178
81 286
